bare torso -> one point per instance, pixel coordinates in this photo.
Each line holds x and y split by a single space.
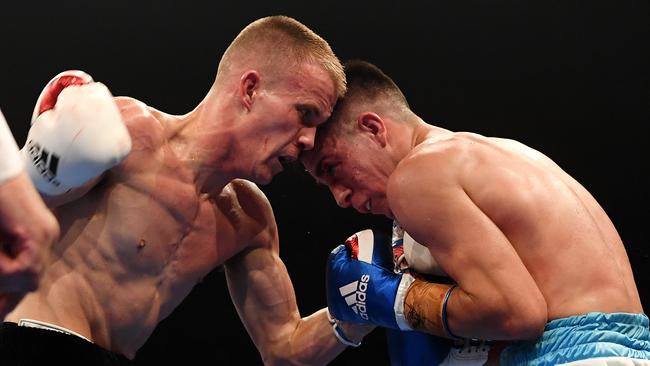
562 235
135 245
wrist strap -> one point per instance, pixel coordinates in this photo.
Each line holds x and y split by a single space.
445 325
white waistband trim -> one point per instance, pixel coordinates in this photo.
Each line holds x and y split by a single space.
31 323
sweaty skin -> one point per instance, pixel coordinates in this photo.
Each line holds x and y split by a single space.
525 242
134 245
98 283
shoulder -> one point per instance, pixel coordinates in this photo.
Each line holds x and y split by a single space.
460 145
434 168
248 196
249 212
433 160
145 125
132 110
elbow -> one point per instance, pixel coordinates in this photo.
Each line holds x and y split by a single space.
524 322
524 328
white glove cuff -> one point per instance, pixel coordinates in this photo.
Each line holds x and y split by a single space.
338 331
340 335
400 296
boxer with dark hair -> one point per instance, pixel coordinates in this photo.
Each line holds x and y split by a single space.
533 257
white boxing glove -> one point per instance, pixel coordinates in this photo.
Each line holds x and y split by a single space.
412 254
77 134
419 257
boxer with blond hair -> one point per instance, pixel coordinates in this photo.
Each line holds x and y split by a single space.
149 203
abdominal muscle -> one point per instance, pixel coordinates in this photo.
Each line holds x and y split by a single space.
117 272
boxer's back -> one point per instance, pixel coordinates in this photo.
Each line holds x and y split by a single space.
563 236
132 247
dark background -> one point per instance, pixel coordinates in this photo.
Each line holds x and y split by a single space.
569 78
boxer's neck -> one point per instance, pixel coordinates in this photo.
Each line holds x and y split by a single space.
209 142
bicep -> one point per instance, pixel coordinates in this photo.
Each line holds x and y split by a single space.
437 212
467 244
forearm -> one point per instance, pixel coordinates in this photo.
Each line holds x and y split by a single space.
451 312
425 307
313 341
265 300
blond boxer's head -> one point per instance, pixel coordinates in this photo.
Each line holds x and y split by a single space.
275 84
279 46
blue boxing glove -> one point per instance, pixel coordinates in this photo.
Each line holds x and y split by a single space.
361 284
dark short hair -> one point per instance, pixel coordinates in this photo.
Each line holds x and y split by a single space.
367 85
367 81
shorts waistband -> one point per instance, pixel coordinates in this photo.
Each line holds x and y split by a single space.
31 323
581 337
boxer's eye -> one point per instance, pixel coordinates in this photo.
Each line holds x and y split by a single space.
326 171
330 169
308 115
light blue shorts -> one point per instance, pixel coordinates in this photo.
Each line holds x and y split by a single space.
580 337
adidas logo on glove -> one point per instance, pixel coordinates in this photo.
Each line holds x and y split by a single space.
355 295
351 297
45 162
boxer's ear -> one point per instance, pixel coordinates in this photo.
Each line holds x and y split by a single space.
370 122
248 85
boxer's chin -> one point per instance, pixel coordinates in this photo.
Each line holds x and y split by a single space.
263 175
384 210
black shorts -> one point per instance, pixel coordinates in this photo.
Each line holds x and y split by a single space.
26 346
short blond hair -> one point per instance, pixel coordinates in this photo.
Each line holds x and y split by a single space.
281 41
